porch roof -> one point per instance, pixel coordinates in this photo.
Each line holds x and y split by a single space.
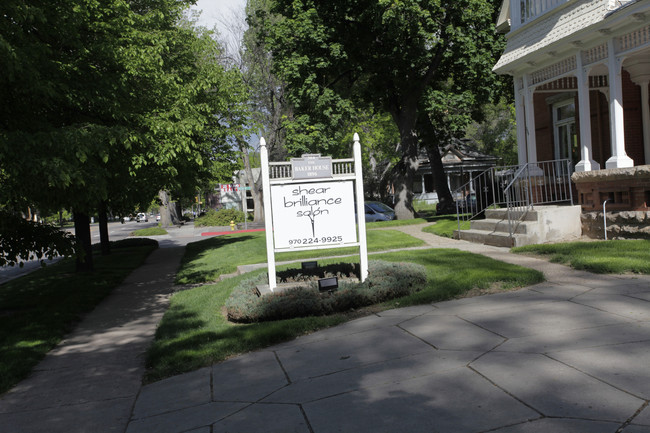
563 31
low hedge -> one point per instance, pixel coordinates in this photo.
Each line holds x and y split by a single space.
219 218
386 280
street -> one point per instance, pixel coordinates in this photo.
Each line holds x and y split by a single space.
118 231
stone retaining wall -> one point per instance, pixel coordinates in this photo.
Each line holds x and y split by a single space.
620 225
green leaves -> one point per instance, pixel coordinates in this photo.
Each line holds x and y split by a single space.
24 240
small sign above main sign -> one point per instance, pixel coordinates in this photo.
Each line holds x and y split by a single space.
311 166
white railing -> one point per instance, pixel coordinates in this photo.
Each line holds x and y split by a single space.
283 170
517 188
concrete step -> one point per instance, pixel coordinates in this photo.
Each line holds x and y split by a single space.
539 225
485 237
501 226
502 214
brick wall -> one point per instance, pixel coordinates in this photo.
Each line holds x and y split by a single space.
627 189
600 131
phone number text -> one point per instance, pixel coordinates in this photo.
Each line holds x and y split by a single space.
313 241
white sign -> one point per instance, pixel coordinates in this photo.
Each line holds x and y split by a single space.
311 167
313 214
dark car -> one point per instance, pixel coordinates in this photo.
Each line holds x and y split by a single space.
468 204
377 211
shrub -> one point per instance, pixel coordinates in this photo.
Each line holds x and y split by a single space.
386 280
129 243
220 218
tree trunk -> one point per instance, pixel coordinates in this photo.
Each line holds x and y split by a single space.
405 117
255 185
431 141
169 213
103 229
82 233
446 203
176 212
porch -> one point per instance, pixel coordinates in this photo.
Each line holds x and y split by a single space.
536 203
581 72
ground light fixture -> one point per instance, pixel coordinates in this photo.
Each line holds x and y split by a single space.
327 284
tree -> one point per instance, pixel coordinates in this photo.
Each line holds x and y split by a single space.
340 54
497 134
24 240
262 103
380 141
108 102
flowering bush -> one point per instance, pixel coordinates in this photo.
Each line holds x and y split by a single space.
386 280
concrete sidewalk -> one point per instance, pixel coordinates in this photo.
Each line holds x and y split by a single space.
567 355
90 382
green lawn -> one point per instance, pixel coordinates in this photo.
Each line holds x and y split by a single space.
151 231
602 257
394 223
445 226
194 333
38 309
205 260
423 207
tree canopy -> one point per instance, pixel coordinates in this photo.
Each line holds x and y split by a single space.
426 63
107 102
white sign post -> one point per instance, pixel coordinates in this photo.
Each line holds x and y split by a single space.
310 203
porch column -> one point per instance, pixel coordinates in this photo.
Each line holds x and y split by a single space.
586 163
645 107
639 69
619 158
520 120
531 144
424 189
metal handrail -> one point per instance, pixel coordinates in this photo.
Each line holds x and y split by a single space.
518 187
516 181
488 192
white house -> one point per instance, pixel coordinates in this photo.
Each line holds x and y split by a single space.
581 70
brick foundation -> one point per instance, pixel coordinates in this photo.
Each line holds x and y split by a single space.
625 189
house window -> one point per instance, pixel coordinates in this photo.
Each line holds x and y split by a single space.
531 9
564 127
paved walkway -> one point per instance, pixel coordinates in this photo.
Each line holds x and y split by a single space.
568 355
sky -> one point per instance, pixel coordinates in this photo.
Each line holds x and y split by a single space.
215 11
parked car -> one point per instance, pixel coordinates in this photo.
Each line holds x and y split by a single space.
377 211
126 219
158 217
469 203
141 217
